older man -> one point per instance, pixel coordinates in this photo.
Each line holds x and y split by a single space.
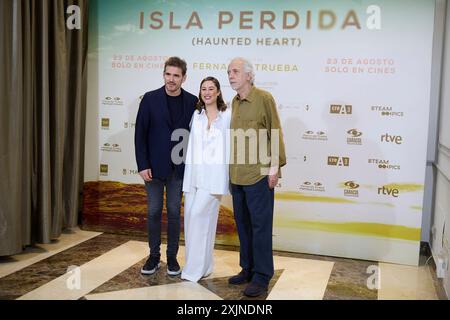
253 178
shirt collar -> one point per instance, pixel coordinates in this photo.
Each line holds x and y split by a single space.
203 113
250 95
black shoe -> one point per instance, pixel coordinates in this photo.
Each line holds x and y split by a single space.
242 277
151 266
173 268
255 290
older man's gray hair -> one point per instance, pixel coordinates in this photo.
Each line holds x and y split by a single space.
248 68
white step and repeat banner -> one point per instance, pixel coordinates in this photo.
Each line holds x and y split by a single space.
352 84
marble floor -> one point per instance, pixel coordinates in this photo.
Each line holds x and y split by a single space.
100 266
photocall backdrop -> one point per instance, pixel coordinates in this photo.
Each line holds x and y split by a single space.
351 80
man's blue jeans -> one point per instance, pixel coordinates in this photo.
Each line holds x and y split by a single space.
155 198
253 213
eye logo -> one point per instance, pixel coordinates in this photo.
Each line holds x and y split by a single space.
108 147
351 185
351 189
354 137
315 135
312 186
113 101
355 133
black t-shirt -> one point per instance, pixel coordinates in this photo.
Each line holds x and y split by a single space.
175 105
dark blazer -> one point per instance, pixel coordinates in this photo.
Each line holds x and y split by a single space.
153 132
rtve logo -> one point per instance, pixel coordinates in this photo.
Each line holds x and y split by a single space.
391 139
385 190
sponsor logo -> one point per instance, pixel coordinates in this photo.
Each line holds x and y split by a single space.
112 101
351 189
287 107
312 186
391 139
129 125
108 147
338 161
354 137
384 164
104 170
129 172
341 109
296 159
387 191
105 123
387 111
317 136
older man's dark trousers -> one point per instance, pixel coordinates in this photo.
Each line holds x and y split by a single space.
253 213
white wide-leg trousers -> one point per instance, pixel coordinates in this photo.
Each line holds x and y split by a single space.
201 211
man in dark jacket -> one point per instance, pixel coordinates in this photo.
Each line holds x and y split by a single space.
161 112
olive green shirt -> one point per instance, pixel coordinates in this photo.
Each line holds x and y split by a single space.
254 149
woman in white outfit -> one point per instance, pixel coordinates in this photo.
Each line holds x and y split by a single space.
206 178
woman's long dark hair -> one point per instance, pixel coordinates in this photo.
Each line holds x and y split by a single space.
221 105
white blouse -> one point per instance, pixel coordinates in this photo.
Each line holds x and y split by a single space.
208 154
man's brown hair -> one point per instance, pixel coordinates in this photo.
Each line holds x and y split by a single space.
176 62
